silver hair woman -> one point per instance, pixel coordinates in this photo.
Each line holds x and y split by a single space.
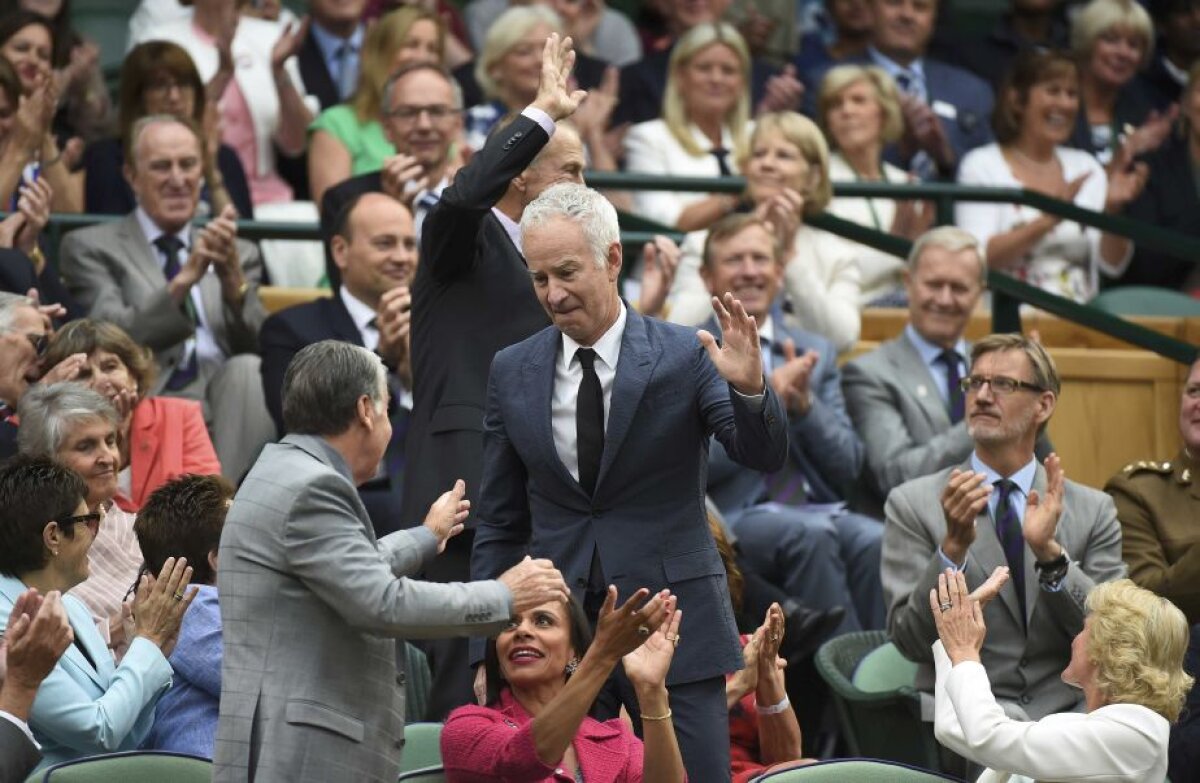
77 427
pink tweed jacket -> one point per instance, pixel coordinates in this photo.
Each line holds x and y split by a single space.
495 745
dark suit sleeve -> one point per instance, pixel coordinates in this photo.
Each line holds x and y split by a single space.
278 343
18 756
755 439
105 191
451 228
235 181
503 528
825 436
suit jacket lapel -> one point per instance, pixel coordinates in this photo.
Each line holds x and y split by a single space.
634 369
102 672
538 381
341 322
141 254
146 441
920 384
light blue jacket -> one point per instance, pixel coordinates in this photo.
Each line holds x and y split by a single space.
83 710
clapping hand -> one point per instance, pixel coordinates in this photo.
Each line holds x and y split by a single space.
791 379
1126 177
958 617
660 261
403 177
737 358
647 665
783 92
219 244
554 95
289 44
622 629
393 317
964 498
37 634
1042 513
160 604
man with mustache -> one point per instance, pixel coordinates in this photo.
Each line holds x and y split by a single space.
1001 507
190 295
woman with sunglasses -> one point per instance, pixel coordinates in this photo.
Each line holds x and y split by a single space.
77 427
87 705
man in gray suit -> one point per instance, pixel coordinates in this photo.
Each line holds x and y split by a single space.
190 295
38 634
1001 508
903 397
311 601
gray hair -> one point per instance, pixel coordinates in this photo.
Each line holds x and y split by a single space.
951 239
142 124
49 412
323 384
390 86
9 304
594 213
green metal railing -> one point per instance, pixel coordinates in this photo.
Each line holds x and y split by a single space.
1008 293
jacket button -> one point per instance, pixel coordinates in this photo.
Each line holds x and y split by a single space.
400 678
1025 698
1024 662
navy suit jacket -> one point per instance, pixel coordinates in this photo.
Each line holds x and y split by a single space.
646 519
822 444
315 74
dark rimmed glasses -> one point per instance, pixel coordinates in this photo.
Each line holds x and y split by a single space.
91 519
1001 384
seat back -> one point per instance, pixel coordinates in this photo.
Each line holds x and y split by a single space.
884 670
1146 300
422 746
139 766
854 771
883 723
417 684
423 775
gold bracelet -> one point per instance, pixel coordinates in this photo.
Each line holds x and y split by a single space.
658 717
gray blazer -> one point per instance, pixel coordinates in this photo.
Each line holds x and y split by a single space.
1023 665
115 274
898 411
18 755
310 602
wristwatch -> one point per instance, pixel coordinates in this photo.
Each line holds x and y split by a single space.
1051 572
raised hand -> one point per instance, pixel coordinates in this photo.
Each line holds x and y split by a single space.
964 498
220 247
770 665
1151 134
984 594
66 370
33 203
647 665
790 380
959 620
448 514
593 115
1126 178
533 583
403 177
394 318
737 358
660 261
1042 513
554 95
38 633
782 92
621 630
160 604
288 45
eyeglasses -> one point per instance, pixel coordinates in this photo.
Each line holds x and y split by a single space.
39 340
1001 384
411 113
92 520
164 86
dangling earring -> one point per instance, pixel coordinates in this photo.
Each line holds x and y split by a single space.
571 666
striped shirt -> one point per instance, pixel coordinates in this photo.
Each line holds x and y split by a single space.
113 564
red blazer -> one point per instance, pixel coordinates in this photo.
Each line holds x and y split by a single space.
495 745
167 439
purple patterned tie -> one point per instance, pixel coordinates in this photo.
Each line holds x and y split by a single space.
956 400
1012 539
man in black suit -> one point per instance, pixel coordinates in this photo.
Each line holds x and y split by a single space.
1178 25
421 116
332 51
375 248
471 298
37 635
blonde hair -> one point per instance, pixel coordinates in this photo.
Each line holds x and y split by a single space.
1138 640
508 29
1100 16
802 132
674 114
886 95
383 40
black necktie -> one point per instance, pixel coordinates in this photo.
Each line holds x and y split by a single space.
1012 539
955 400
722 156
589 421
172 249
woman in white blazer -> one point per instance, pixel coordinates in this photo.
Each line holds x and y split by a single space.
1127 660
87 705
262 83
787 180
859 108
703 129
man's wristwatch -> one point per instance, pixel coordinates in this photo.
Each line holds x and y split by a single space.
1051 572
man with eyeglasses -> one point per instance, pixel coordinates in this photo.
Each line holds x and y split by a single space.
24 336
1002 508
421 116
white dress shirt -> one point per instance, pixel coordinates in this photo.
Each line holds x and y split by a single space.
363 317
568 373
930 354
20 724
203 343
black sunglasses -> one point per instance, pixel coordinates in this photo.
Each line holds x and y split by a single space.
92 520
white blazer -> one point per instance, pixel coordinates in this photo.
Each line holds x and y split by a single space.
821 279
651 149
881 273
252 69
1118 743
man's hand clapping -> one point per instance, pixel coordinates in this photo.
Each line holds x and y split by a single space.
660 261
965 496
1042 512
393 318
790 380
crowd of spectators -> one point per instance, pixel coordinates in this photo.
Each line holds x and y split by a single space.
141 374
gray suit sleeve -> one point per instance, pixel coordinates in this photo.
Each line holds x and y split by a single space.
893 455
1099 561
326 548
91 277
242 323
909 570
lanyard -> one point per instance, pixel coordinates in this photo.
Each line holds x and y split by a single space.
870 201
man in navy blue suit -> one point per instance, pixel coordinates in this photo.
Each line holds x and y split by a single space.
596 435
792 526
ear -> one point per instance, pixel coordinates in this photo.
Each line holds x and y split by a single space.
614 262
212 561
1047 401
519 183
128 173
52 537
366 412
340 249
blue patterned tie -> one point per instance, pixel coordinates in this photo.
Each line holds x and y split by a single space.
955 400
171 247
1012 539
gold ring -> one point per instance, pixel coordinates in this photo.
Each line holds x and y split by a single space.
675 641
178 596
643 630
945 607
774 637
